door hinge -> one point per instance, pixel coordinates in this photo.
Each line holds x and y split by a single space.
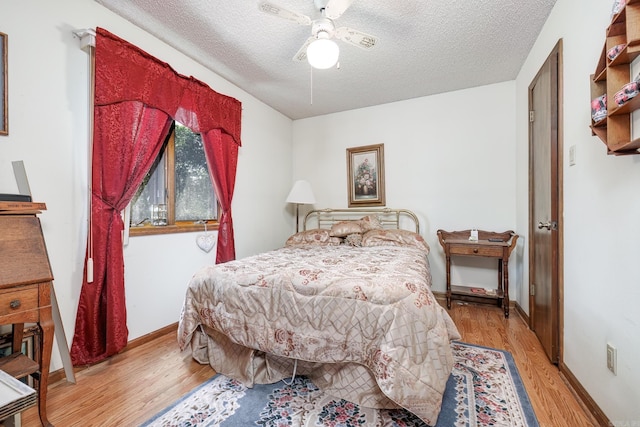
532 290
531 116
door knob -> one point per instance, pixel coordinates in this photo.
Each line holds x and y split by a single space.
549 225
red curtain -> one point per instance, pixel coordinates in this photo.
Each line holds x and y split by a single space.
136 99
219 151
131 138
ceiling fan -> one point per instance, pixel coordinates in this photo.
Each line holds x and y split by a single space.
319 49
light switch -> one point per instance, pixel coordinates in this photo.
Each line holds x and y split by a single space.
572 155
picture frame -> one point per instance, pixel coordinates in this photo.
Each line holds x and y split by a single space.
4 83
365 170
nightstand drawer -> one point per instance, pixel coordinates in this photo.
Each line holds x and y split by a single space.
475 250
18 300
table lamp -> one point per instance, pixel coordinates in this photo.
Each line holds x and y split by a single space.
300 194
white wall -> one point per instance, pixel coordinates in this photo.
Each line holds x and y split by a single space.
450 158
48 130
601 227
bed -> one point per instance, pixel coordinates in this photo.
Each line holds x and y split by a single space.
346 302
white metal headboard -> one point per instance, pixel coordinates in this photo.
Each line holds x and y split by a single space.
389 218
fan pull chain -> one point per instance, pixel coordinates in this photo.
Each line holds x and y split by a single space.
311 84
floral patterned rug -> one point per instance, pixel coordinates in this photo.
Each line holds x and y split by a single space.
484 389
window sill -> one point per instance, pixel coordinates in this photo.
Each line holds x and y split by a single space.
182 227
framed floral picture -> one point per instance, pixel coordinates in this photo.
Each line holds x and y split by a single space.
365 168
4 121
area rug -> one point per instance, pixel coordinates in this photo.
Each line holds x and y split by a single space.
484 389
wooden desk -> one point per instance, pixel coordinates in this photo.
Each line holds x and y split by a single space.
457 243
25 297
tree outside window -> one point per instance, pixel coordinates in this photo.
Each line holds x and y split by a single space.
179 179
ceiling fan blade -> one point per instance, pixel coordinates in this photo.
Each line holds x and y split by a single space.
301 54
356 38
335 8
272 9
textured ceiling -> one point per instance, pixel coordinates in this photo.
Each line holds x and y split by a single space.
424 47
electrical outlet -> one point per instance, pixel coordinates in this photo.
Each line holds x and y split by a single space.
611 358
572 155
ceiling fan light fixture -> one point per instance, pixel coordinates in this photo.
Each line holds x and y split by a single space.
323 53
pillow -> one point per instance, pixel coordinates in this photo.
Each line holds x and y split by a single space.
344 228
354 239
313 237
394 238
370 222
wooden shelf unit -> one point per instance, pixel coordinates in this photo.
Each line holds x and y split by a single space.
611 75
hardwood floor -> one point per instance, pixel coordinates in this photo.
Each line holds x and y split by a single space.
553 401
125 390
134 385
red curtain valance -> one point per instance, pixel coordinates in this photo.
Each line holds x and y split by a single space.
134 75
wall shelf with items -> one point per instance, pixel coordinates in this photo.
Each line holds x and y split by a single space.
612 75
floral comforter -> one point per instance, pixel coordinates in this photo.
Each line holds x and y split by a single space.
360 322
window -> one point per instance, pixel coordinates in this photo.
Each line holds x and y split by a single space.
177 194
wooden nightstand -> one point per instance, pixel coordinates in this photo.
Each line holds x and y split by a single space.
457 243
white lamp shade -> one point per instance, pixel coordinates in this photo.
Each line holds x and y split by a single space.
301 193
323 53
